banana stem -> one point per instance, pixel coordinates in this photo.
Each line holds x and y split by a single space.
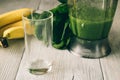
3 42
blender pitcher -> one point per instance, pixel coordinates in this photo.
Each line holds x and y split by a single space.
90 23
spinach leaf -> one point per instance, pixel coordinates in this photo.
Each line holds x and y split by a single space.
61 31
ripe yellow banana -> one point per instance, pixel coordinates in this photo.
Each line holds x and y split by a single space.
16 24
13 16
4 31
14 32
17 32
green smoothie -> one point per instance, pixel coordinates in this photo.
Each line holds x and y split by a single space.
90 30
91 23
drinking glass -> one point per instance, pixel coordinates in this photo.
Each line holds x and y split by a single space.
38 34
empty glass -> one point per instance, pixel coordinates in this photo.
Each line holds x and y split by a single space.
38 34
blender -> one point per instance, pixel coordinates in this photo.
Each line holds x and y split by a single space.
90 23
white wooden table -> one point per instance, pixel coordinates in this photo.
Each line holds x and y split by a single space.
66 66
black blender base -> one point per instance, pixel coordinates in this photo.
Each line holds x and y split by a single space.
89 49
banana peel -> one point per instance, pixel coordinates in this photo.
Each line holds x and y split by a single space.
11 25
15 24
14 33
13 16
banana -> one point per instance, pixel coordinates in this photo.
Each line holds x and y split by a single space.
19 23
11 25
13 16
29 28
14 32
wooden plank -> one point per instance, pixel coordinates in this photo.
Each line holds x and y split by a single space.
111 64
10 57
8 5
65 67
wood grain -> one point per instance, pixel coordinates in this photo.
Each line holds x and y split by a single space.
8 5
111 64
65 67
10 59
